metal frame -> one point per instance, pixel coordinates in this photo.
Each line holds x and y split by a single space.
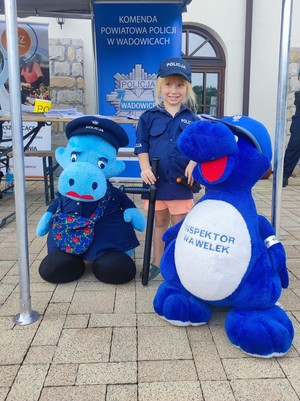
284 57
26 315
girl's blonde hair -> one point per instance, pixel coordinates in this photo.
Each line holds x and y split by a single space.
190 99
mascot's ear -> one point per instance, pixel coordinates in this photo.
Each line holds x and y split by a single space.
120 166
60 157
114 169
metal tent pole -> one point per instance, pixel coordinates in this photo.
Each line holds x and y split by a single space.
26 315
284 54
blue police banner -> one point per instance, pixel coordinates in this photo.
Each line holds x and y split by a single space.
131 41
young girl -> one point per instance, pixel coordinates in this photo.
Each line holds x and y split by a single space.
157 133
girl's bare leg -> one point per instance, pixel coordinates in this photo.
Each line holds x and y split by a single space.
161 224
176 218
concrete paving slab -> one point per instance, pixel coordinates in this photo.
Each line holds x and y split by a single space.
83 345
252 368
107 373
263 389
61 375
93 302
38 355
112 320
122 392
170 391
3 393
28 383
124 344
166 371
74 393
14 345
162 343
77 321
217 390
8 374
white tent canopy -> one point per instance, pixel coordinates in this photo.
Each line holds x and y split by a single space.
53 8
82 9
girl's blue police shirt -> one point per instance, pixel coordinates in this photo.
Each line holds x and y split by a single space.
157 134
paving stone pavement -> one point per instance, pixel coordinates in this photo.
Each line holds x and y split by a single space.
99 342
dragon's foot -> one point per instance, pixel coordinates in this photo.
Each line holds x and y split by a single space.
180 308
263 333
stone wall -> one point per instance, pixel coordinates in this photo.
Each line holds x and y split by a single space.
66 81
293 85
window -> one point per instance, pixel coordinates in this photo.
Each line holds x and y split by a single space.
207 60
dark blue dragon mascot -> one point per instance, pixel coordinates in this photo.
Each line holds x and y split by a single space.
223 254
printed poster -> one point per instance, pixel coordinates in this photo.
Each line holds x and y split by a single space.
34 80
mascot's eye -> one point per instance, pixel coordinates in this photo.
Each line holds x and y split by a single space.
73 157
102 162
236 138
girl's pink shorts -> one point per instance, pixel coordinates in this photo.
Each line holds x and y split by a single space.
174 206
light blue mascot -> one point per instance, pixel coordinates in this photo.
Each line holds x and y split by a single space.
224 254
90 220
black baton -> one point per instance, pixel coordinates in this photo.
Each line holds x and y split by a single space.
150 218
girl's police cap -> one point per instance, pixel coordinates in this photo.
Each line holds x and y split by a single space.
107 129
172 66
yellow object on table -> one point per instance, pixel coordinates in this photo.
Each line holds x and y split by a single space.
42 106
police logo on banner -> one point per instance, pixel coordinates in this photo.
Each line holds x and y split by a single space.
134 92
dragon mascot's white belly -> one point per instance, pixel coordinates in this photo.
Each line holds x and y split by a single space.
213 250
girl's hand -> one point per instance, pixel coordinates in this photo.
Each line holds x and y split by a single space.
147 176
189 172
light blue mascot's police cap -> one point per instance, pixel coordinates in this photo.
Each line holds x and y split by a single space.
255 131
107 129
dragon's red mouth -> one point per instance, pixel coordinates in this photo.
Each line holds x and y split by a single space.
214 169
76 195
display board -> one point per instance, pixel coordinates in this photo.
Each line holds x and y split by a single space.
131 41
